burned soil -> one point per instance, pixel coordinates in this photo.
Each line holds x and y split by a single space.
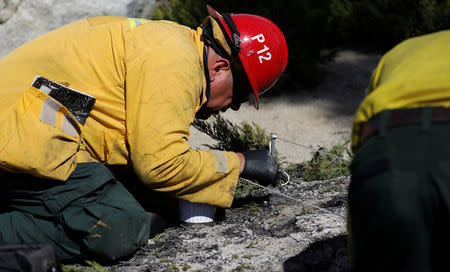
262 231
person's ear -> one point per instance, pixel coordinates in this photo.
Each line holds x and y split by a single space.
219 66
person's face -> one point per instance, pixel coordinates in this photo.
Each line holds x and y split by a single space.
221 96
221 92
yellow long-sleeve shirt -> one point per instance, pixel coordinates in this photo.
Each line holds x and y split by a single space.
415 73
148 78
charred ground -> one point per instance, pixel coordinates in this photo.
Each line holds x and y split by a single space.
262 231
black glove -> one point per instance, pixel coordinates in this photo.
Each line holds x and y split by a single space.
261 166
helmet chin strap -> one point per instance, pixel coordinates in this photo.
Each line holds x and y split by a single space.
236 42
242 95
208 35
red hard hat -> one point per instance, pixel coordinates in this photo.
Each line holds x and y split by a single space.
261 48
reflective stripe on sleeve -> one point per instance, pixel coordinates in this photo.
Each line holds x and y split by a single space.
221 161
69 126
132 22
45 89
137 21
48 112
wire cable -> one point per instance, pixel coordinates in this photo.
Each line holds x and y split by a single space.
292 198
313 149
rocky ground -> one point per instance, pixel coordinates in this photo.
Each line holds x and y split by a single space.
263 231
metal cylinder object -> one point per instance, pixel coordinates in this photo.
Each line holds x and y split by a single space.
273 137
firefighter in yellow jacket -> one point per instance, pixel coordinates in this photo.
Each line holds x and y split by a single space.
115 91
399 195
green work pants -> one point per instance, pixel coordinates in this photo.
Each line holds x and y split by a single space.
90 216
399 198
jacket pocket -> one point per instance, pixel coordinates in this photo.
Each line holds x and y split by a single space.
40 137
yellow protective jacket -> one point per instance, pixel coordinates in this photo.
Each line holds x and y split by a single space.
415 73
148 78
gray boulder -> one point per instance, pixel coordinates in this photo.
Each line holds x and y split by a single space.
23 20
7 9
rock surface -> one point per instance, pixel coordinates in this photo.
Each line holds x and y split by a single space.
22 20
8 8
263 231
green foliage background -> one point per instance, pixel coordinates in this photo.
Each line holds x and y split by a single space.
316 29
231 137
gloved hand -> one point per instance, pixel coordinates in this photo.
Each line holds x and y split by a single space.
261 166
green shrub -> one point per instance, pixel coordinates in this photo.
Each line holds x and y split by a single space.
231 137
381 24
92 267
323 166
187 12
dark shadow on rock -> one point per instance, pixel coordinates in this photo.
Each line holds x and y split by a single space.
336 202
329 255
248 200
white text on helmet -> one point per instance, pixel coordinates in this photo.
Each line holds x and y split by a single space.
267 56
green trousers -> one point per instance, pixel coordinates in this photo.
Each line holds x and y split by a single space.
90 216
399 198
